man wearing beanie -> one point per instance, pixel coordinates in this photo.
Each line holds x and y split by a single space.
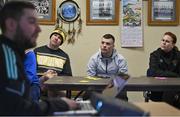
51 57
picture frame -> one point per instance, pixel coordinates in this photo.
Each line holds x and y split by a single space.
102 12
46 10
163 12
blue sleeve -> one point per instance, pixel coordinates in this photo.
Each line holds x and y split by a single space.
30 67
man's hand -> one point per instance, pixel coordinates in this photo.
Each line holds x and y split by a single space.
47 75
71 103
50 74
110 84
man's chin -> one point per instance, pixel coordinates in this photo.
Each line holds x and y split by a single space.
104 53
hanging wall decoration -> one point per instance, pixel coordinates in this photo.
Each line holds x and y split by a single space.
68 13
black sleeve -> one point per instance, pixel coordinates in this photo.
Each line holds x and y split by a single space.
67 68
3 77
13 104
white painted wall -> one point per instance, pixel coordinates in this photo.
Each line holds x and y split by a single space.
88 43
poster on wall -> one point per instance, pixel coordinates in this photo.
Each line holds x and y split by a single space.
131 20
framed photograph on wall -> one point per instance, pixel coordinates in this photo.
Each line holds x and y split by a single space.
46 11
163 12
102 12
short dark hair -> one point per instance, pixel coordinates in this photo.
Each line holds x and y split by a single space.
173 36
109 36
13 9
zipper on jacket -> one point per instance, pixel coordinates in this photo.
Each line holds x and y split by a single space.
106 66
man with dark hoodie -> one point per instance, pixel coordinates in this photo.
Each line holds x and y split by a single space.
20 29
165 62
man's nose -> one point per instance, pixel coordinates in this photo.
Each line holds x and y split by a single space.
56 38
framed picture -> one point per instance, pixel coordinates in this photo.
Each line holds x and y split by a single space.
102 12
46 11
163 12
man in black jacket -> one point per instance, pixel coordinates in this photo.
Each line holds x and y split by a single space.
165 62
20 29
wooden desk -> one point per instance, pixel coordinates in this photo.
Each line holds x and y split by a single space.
158 108
152 84
134 84
76 83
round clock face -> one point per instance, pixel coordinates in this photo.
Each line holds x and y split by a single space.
68 11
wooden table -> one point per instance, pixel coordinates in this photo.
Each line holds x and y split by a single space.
76 83
158 108
144 83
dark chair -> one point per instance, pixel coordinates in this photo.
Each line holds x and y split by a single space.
152 95
147 94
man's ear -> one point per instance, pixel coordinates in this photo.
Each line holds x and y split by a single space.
11 24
